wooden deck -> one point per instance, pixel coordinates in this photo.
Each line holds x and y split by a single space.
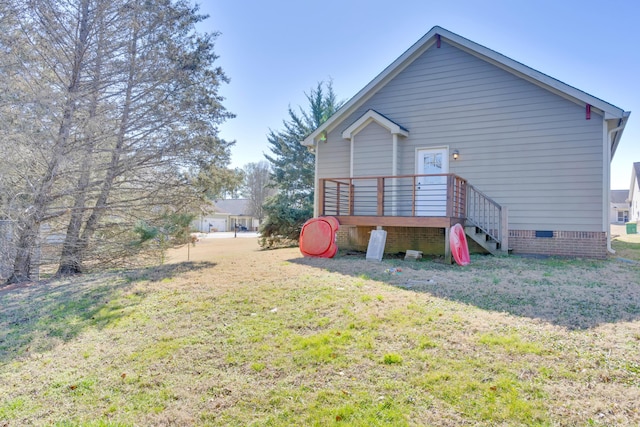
405 200
397 221
429 201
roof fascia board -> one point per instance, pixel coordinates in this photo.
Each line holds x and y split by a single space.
615 140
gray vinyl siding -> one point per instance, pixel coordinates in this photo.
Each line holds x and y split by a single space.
333 156
525 147
372 151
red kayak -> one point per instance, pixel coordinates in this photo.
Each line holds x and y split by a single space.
318 237
459 248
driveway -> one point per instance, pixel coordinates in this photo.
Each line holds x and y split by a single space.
227 235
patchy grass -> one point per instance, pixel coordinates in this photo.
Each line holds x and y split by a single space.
627 246
240 336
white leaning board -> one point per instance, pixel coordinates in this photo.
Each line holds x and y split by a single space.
375 250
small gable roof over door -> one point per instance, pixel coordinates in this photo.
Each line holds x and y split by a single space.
372 116
438 35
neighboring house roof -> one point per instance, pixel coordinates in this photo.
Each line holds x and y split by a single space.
635 172
635 175
437 35
619 196
240 207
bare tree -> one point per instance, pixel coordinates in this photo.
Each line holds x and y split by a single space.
131 90
257 186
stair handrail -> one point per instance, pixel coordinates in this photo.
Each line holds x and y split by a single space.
489 216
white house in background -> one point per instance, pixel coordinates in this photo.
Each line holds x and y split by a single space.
225 215
634 193
619 206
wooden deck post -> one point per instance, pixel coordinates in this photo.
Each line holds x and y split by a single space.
352 194
338 198
447 245
504 229
380 196
450 194
413 197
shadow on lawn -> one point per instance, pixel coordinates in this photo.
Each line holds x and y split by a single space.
41 315
166 271
576 294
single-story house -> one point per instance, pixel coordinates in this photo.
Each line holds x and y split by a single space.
453 132
619 207
225 215
634 193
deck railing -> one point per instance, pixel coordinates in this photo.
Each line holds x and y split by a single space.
488 216
442 195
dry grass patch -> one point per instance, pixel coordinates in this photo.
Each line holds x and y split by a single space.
239 336
627 246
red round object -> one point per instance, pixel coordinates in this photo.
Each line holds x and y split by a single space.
459 247
317 237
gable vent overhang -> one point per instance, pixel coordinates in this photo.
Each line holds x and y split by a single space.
616 134
372 116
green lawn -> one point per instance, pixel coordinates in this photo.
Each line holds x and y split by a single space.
627 246
279 340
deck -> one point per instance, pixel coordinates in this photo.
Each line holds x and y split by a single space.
430 201
403 200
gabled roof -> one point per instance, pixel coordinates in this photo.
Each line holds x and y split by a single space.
373 116
635 175
438 35
233 207
619 196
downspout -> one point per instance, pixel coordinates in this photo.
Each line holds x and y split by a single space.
314 149
394 172
608 192
351 150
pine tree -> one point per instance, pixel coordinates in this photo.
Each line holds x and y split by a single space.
293 168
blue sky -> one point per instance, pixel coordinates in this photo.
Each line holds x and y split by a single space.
276 51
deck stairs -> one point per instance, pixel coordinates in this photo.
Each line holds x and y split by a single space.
486 222
483 239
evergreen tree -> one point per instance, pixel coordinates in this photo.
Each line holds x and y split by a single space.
293 169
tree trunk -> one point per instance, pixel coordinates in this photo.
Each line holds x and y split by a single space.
24 249
70 259
74 252
29 226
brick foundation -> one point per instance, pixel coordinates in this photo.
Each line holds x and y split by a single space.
583 244
399 239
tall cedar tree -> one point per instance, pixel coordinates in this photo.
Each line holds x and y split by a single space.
293 169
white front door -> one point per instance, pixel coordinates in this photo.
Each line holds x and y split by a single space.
431 191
